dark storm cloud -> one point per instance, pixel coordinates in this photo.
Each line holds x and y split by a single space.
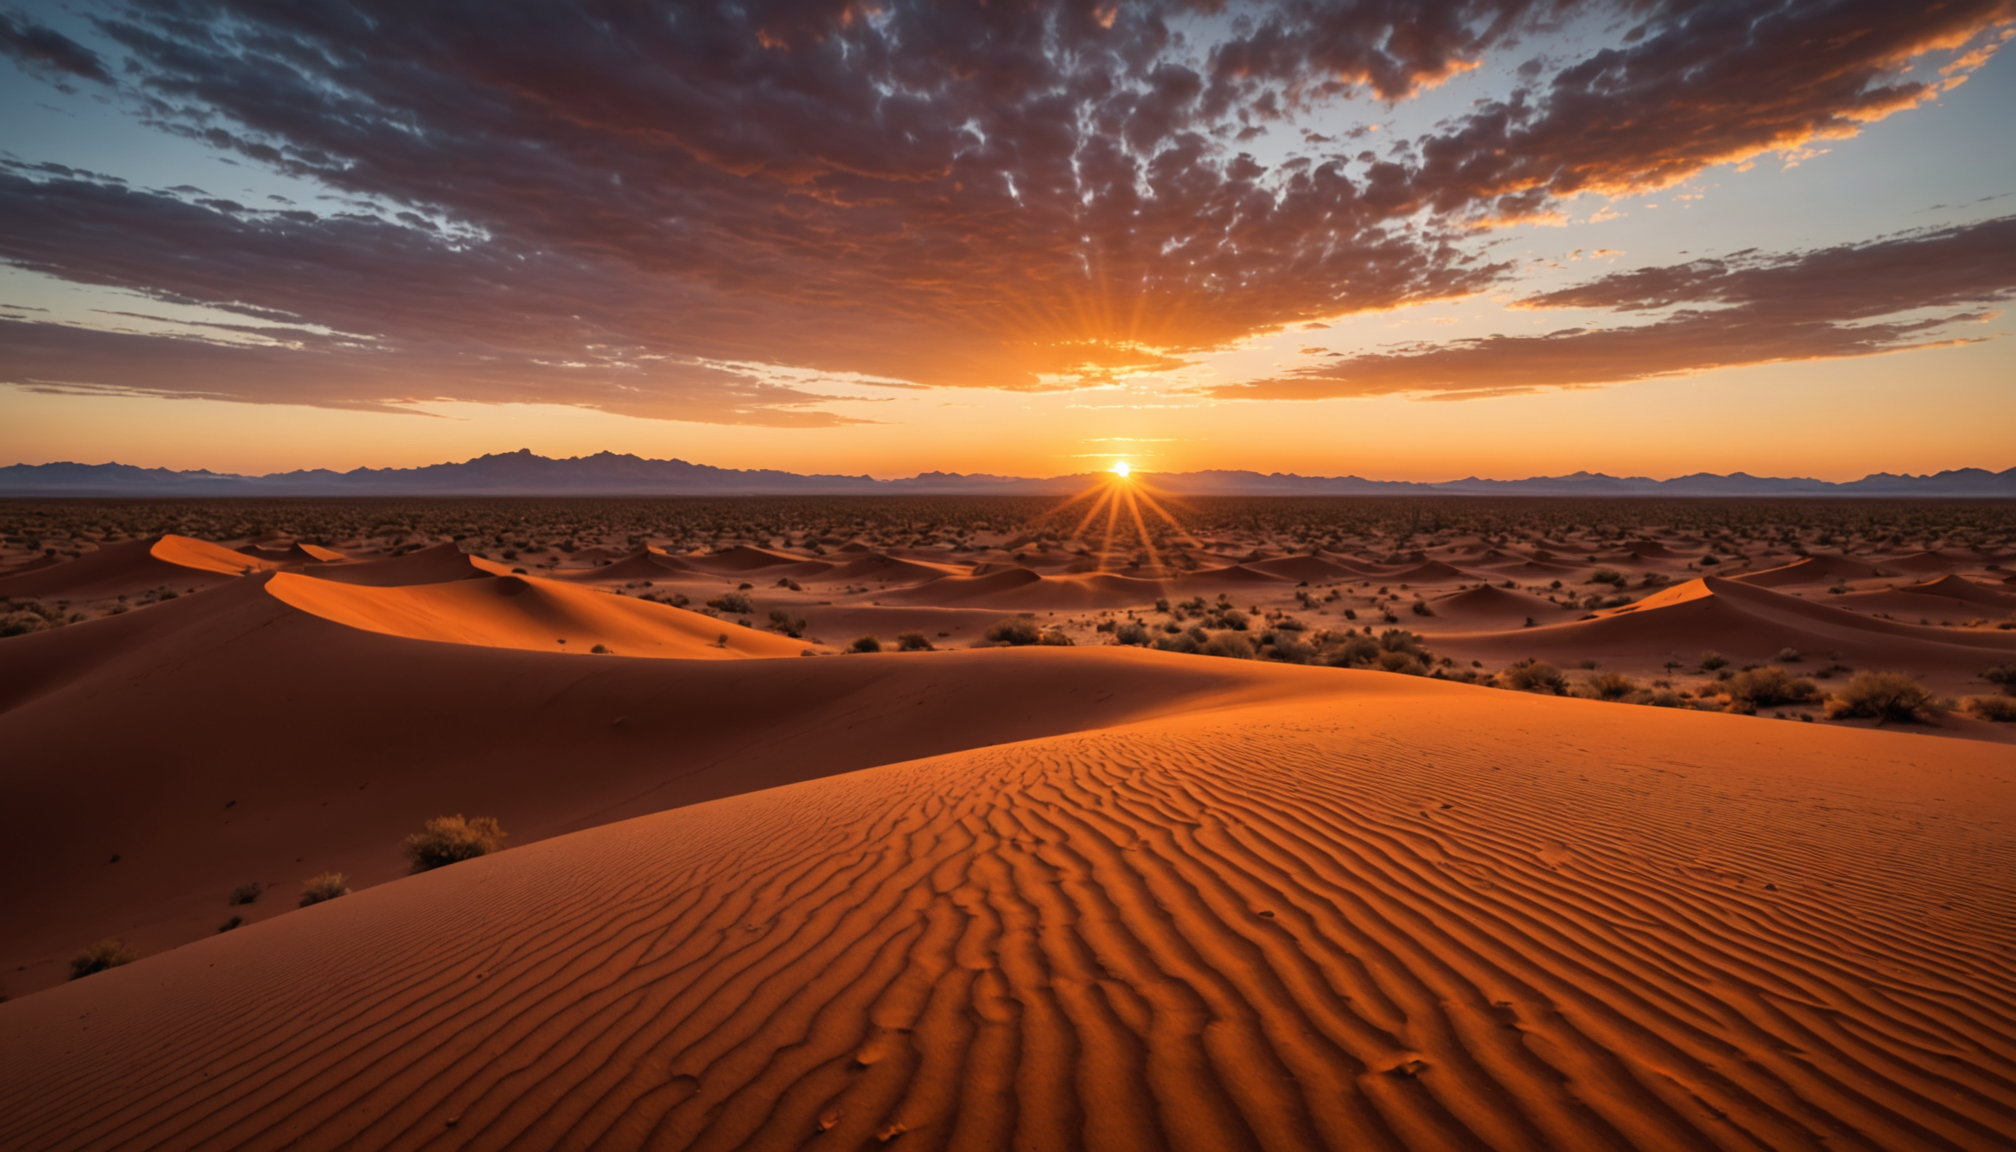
46 50
1015 195
1853 300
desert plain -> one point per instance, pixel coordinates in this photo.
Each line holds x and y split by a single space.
1119 821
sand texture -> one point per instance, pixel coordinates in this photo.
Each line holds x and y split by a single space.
1355 920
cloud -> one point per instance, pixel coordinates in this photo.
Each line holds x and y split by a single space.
1853 300
46 50
575 199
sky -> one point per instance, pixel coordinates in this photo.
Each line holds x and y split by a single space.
1414 241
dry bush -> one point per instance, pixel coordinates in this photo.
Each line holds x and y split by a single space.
1056 639
1228 644
2001 709
1767 687
1533 676
733 603
1016 631
1132 632
246 893
450 839
865 644
914 642
1711 660
106 953
327 886
1607 686
1403 662
2003 676
1880 696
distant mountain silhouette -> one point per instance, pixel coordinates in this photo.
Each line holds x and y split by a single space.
522 473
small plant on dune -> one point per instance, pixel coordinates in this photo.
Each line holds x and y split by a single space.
106 953
451 839
1766 687
600 650
783 621
2001 709
1405 663
1880 696
1711 660
327 886
733 603
1531 675
1790 656
1016 631
246 893
2003 676
1228 644
914 642
1055 639
1607 576
1132 632
1607 686
1421 608
865 644
233 922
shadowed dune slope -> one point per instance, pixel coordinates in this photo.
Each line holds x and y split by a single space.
256 741
1746 622
1812 570
436 565
1488 603
643 564
1308 569
1354 922
134 566
295 553
877 567
523 612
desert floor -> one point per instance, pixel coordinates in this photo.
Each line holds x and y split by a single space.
1244 829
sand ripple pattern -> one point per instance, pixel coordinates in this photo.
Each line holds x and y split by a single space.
1217 935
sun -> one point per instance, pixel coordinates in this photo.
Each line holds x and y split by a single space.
1120 469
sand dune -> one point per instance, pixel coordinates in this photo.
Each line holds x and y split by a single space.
962 590
1930 562
1433 572
1235 574
1489 603
743 558
1745 623
1962 589
1354 921
1307 569
295 553
335 742
1812 570
436 565
525 612
134 566
889 570
643 564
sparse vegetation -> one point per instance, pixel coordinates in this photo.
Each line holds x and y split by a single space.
324 886
107 953
2000 709
1767 687
865 644
246 893
1016 630
914 642
1882 696
1534 676
451 839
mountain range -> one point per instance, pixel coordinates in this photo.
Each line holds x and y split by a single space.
522 473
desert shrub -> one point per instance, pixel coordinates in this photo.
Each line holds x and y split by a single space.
1055 639
1016 630
783 621
1228 618
2001 709
1406 663
450 839
1534 676
1664 698
600 650
1607 576
865 644
1401 640
1790 656
1229 645
233 922
246 893
914 642
1881 696
2003 676
1766 687
327 886
1351 651
1421 608
1711 660
1287 648
1607 686
733 603
1180 642
1130 633
106 953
